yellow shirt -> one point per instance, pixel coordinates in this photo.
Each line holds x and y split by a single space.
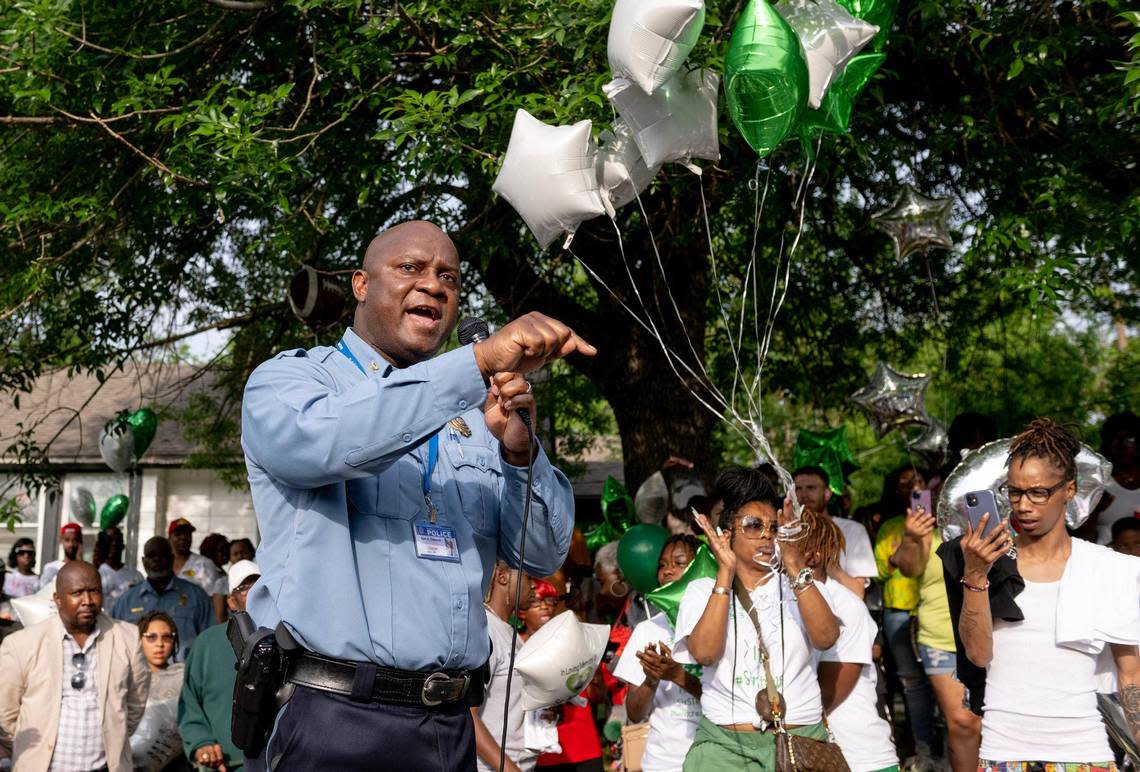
899 592
934 626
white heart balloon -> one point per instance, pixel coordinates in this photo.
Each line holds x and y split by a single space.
830 36
549 176
650 39
677 122
559 660
117 446
622 173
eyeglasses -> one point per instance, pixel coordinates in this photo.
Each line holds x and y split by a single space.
26 552
753 526
153 637
1035 495
79 677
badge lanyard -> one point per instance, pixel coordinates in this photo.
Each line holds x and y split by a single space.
433 443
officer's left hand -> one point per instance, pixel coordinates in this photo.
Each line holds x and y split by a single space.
510 391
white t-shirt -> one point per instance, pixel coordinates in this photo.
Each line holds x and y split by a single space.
115 583
49 572
858 558
491 711
729 687
17 585
201 571
1125 502
862 734
676 713
1040 697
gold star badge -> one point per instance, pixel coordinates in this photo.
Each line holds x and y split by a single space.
459 425
373 366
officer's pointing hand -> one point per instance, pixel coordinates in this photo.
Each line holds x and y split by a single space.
528 343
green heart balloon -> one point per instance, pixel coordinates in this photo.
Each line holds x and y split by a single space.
834 113
766 77
881 13
144 424
667 597
114 511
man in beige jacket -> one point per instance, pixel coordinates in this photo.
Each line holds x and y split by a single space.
73 687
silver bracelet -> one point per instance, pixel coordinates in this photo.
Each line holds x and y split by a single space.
804 579
721 590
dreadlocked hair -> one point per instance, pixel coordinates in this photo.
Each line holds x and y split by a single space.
821 535
1045 438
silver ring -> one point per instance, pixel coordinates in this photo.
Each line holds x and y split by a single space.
529 388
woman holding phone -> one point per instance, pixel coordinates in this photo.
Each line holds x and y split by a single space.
716 631
1078 607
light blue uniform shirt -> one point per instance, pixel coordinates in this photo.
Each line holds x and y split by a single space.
336 458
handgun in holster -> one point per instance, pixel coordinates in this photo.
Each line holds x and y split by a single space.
263 657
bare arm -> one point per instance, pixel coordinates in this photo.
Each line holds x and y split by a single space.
486 746
836 682
914 550
1128 675
707 640
976 625
856 584
639 700
819 622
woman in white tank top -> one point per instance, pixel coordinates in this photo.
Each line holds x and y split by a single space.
1080 611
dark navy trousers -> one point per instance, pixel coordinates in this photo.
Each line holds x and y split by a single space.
317 730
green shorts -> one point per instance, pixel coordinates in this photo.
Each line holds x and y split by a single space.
715 749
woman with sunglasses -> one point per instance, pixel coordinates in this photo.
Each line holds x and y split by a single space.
1078 613
714 630
155 745
22 579
660 689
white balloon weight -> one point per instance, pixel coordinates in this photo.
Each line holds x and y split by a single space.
559 660
677 122
830 36
650 39
117 445
622 173
35 608
549 176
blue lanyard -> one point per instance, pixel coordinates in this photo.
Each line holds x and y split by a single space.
433 443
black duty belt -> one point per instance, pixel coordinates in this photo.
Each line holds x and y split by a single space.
368 682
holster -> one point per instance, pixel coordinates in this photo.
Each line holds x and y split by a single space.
263 657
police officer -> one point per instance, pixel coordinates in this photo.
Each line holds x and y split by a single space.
386 480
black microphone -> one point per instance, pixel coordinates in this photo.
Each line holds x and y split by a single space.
472 329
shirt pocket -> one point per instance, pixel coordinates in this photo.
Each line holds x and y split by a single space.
476 483
394 493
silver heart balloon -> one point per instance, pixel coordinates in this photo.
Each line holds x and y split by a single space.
81 506
985 469
117 445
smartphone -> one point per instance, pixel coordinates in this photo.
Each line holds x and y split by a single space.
979 503
921 499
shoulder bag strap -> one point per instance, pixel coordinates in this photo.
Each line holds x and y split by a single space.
746 601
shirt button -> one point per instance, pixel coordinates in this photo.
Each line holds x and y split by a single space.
462 404
406 437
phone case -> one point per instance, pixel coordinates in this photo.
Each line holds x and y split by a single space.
984 502
921 499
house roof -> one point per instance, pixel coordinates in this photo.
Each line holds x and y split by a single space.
67 412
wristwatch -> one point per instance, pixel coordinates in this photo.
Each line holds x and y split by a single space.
804 579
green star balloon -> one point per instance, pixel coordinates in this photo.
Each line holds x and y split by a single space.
834 113
881 13
766 77
667 597
828 450
617 513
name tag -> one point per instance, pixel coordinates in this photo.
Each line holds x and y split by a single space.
436 542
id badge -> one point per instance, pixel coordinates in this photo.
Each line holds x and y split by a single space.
436 542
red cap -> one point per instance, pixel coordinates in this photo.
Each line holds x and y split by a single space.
176 524
544 589
73 527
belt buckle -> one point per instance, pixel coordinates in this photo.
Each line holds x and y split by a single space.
440 688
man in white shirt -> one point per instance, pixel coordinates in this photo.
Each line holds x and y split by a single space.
117 577
196 568
488 717
71 539
856 565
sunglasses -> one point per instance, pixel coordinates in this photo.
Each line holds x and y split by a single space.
25 552
79 677
750 525
153 637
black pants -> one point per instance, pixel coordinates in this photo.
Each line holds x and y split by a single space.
317 730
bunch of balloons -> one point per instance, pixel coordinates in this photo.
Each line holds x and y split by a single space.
126 437
895 400
81 507
795 65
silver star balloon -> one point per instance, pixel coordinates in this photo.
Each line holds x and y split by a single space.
893 399
916 222
933 444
